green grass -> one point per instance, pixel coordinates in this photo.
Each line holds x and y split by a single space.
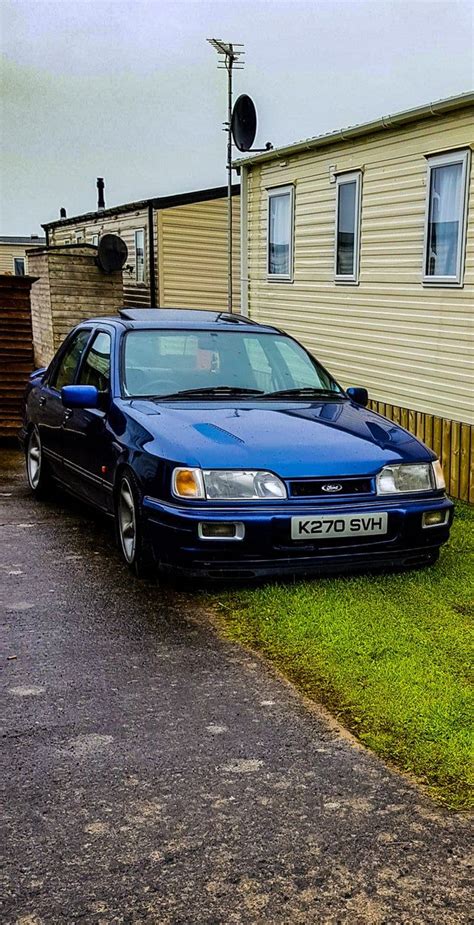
388 655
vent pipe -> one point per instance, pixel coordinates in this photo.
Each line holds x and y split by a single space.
62 212
100 194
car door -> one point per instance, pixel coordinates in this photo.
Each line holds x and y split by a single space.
51 412
87 443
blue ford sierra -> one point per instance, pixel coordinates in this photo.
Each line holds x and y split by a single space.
222 448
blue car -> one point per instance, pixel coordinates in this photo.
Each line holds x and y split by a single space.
223 449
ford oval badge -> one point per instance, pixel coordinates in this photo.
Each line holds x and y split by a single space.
331 487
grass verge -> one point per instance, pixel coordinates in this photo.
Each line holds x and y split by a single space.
389 655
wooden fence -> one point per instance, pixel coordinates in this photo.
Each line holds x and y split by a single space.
452 441
16 349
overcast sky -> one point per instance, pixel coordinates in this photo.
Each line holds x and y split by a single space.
129 89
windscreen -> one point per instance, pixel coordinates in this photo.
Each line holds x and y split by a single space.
158 363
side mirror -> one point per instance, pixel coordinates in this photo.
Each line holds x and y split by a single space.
360 396
79 396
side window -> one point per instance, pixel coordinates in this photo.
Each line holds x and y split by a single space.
65 372
445 226
280 233
96 367
140 255
348 227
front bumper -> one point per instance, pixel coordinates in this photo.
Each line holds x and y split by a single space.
267 548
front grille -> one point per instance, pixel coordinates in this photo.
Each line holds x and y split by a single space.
314 488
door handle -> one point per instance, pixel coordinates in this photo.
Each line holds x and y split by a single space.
67 415
42 400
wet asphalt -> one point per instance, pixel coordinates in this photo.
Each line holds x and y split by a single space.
156 774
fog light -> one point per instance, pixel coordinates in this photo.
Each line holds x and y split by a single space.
434 518
221 531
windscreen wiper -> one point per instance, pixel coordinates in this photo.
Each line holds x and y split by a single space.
305 392
217 390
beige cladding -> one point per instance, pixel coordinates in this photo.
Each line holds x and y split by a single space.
409 344
8 252
192 247
124 224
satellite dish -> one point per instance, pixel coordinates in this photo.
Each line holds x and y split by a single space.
244 122
112 253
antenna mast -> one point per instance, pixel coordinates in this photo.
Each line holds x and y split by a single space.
229 58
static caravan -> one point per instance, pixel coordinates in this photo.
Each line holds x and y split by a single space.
361 244
177 246
13 256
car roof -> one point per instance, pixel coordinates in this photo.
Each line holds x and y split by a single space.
198 319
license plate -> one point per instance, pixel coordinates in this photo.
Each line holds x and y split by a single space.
333 528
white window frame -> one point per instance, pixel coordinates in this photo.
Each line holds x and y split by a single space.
79 237
355 176
441 160
273 193
23 259
140 231
95 240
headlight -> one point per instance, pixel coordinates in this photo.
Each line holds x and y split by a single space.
227 485
407 477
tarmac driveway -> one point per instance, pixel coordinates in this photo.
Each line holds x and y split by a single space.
155 774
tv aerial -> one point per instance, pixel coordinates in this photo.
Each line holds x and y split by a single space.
241 128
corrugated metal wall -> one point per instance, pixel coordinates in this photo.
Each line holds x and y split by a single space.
192 246
410 345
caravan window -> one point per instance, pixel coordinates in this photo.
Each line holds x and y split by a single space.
446 212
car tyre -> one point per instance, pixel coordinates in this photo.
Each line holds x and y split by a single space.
37 472
132 542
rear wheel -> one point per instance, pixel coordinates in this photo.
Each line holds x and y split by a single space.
36 467
129 526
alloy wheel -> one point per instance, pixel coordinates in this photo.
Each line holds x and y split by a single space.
34 460
127 520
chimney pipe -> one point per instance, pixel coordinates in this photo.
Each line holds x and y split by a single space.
62 212
100 194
